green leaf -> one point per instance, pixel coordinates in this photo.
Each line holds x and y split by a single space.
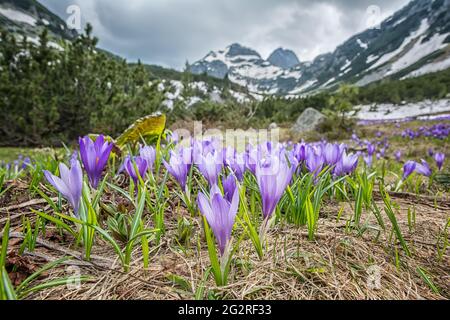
5 240
180 281
56 221
200 291
50 284
121 191
215 265
108 238
310 218
35 275
427 280
248 225
7 286
358 205
391 215
145 251
47 198
137 218
99 192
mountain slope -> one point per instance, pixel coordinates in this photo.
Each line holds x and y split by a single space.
29 17
412 42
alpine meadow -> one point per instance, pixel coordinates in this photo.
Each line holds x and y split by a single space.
257 150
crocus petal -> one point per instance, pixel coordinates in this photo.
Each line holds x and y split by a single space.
94 156
57 183
205 208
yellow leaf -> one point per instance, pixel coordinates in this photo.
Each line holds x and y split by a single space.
150 126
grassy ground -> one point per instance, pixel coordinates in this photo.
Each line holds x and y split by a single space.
340 263
10 154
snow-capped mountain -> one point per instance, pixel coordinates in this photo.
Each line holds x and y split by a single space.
29 18
284 58
246 67
413 41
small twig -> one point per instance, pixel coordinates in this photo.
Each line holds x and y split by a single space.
51 246
47 258
26 204
407 195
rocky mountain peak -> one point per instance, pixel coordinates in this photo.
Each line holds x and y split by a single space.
238 50
284 58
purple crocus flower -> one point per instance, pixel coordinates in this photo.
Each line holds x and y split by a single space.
273 176
346 164
371 149
300 152
229 186
94 156
423 168
251 157
237 165
398 155
290 155
314 162
148 153
179 165
220 214
439 158
408 168
172 138
141 166
202 148
211 166
26 162
430 152
368 159
70 184
331 153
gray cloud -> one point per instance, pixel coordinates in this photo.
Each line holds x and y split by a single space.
168 32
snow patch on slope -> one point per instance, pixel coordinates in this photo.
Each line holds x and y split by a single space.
418 51
371 58
346 65
362 44
398 112
388 56
429 68
18 16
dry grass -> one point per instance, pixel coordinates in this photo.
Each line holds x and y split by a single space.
338 264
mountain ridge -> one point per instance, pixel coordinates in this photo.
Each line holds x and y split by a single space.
415 39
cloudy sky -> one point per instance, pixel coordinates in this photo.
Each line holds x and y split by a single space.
169 32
